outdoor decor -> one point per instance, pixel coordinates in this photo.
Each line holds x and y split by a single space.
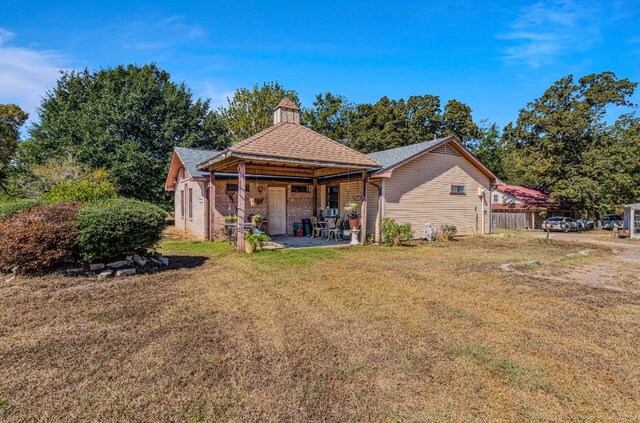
354 237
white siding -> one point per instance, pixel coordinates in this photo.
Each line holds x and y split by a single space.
420 191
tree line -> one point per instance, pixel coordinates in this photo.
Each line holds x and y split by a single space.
573 140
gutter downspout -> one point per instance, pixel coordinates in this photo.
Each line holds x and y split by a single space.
378 234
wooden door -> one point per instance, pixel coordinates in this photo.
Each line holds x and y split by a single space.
277 210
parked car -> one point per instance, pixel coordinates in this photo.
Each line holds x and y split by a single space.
610 221
565 224
585 224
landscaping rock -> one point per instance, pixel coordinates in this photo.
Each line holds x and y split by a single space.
75 271
139 261
96 266
163 260
126 272
117 264
105 274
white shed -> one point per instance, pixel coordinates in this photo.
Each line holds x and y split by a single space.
632 219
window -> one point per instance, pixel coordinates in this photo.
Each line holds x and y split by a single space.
234 187
333 197
182 203
190 203
457 189
495 198
299 188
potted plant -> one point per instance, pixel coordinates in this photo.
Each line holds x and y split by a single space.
231 219
257 220
255 241
353 213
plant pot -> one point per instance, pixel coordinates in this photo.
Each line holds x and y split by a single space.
248 247
346 233
354 223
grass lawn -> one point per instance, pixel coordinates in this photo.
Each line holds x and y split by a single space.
428 333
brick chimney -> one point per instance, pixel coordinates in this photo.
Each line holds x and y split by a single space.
286 111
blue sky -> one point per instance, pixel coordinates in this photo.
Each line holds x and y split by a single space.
494 56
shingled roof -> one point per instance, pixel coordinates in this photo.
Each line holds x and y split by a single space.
285 103
190 158
288 141
397 155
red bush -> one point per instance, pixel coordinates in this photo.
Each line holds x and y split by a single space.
38 239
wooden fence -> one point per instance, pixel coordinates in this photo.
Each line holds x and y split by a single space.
509 220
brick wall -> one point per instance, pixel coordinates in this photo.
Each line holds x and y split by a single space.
299 206
196 225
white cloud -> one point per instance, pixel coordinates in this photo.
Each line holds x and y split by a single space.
213 91
543 32
166 33
26 73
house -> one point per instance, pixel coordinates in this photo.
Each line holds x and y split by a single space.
518 207
288 172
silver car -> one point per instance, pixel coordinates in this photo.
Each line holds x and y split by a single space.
564 224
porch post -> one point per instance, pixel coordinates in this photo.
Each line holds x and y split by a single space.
315 196
212 205
241 204
363 207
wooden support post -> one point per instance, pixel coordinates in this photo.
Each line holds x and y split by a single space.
315 196
363 208
241 205
212 205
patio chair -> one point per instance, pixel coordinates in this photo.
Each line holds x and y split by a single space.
330 225
334 231
316 230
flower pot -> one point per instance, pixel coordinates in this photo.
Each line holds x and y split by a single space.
354 223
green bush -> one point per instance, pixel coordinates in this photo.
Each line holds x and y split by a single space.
111 228
38 239
94 186
7 208
396 234
446 233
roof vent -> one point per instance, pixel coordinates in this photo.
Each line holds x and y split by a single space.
286 111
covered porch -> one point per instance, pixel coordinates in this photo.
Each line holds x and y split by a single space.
282 173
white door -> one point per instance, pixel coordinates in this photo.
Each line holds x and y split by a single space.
276 209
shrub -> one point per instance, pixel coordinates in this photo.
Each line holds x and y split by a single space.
39 238
7 208
395 234
111 228
94 186
446 233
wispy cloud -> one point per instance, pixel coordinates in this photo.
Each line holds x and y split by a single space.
165 33
26 73
545 31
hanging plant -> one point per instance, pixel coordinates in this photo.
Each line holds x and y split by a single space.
256 201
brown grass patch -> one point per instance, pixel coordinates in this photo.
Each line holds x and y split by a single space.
430 333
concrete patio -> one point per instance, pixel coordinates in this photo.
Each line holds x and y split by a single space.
278 242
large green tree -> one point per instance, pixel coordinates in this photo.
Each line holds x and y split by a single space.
329 115
395 123
562 141
12 118
126 119
491 150
251 110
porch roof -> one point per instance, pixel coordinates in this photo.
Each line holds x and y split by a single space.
290 149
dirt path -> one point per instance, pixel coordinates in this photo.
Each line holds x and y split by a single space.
622 271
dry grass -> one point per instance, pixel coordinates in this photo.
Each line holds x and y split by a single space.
429 333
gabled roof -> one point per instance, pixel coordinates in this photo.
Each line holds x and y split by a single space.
396 157
528 195
290 142
534 199
190 158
